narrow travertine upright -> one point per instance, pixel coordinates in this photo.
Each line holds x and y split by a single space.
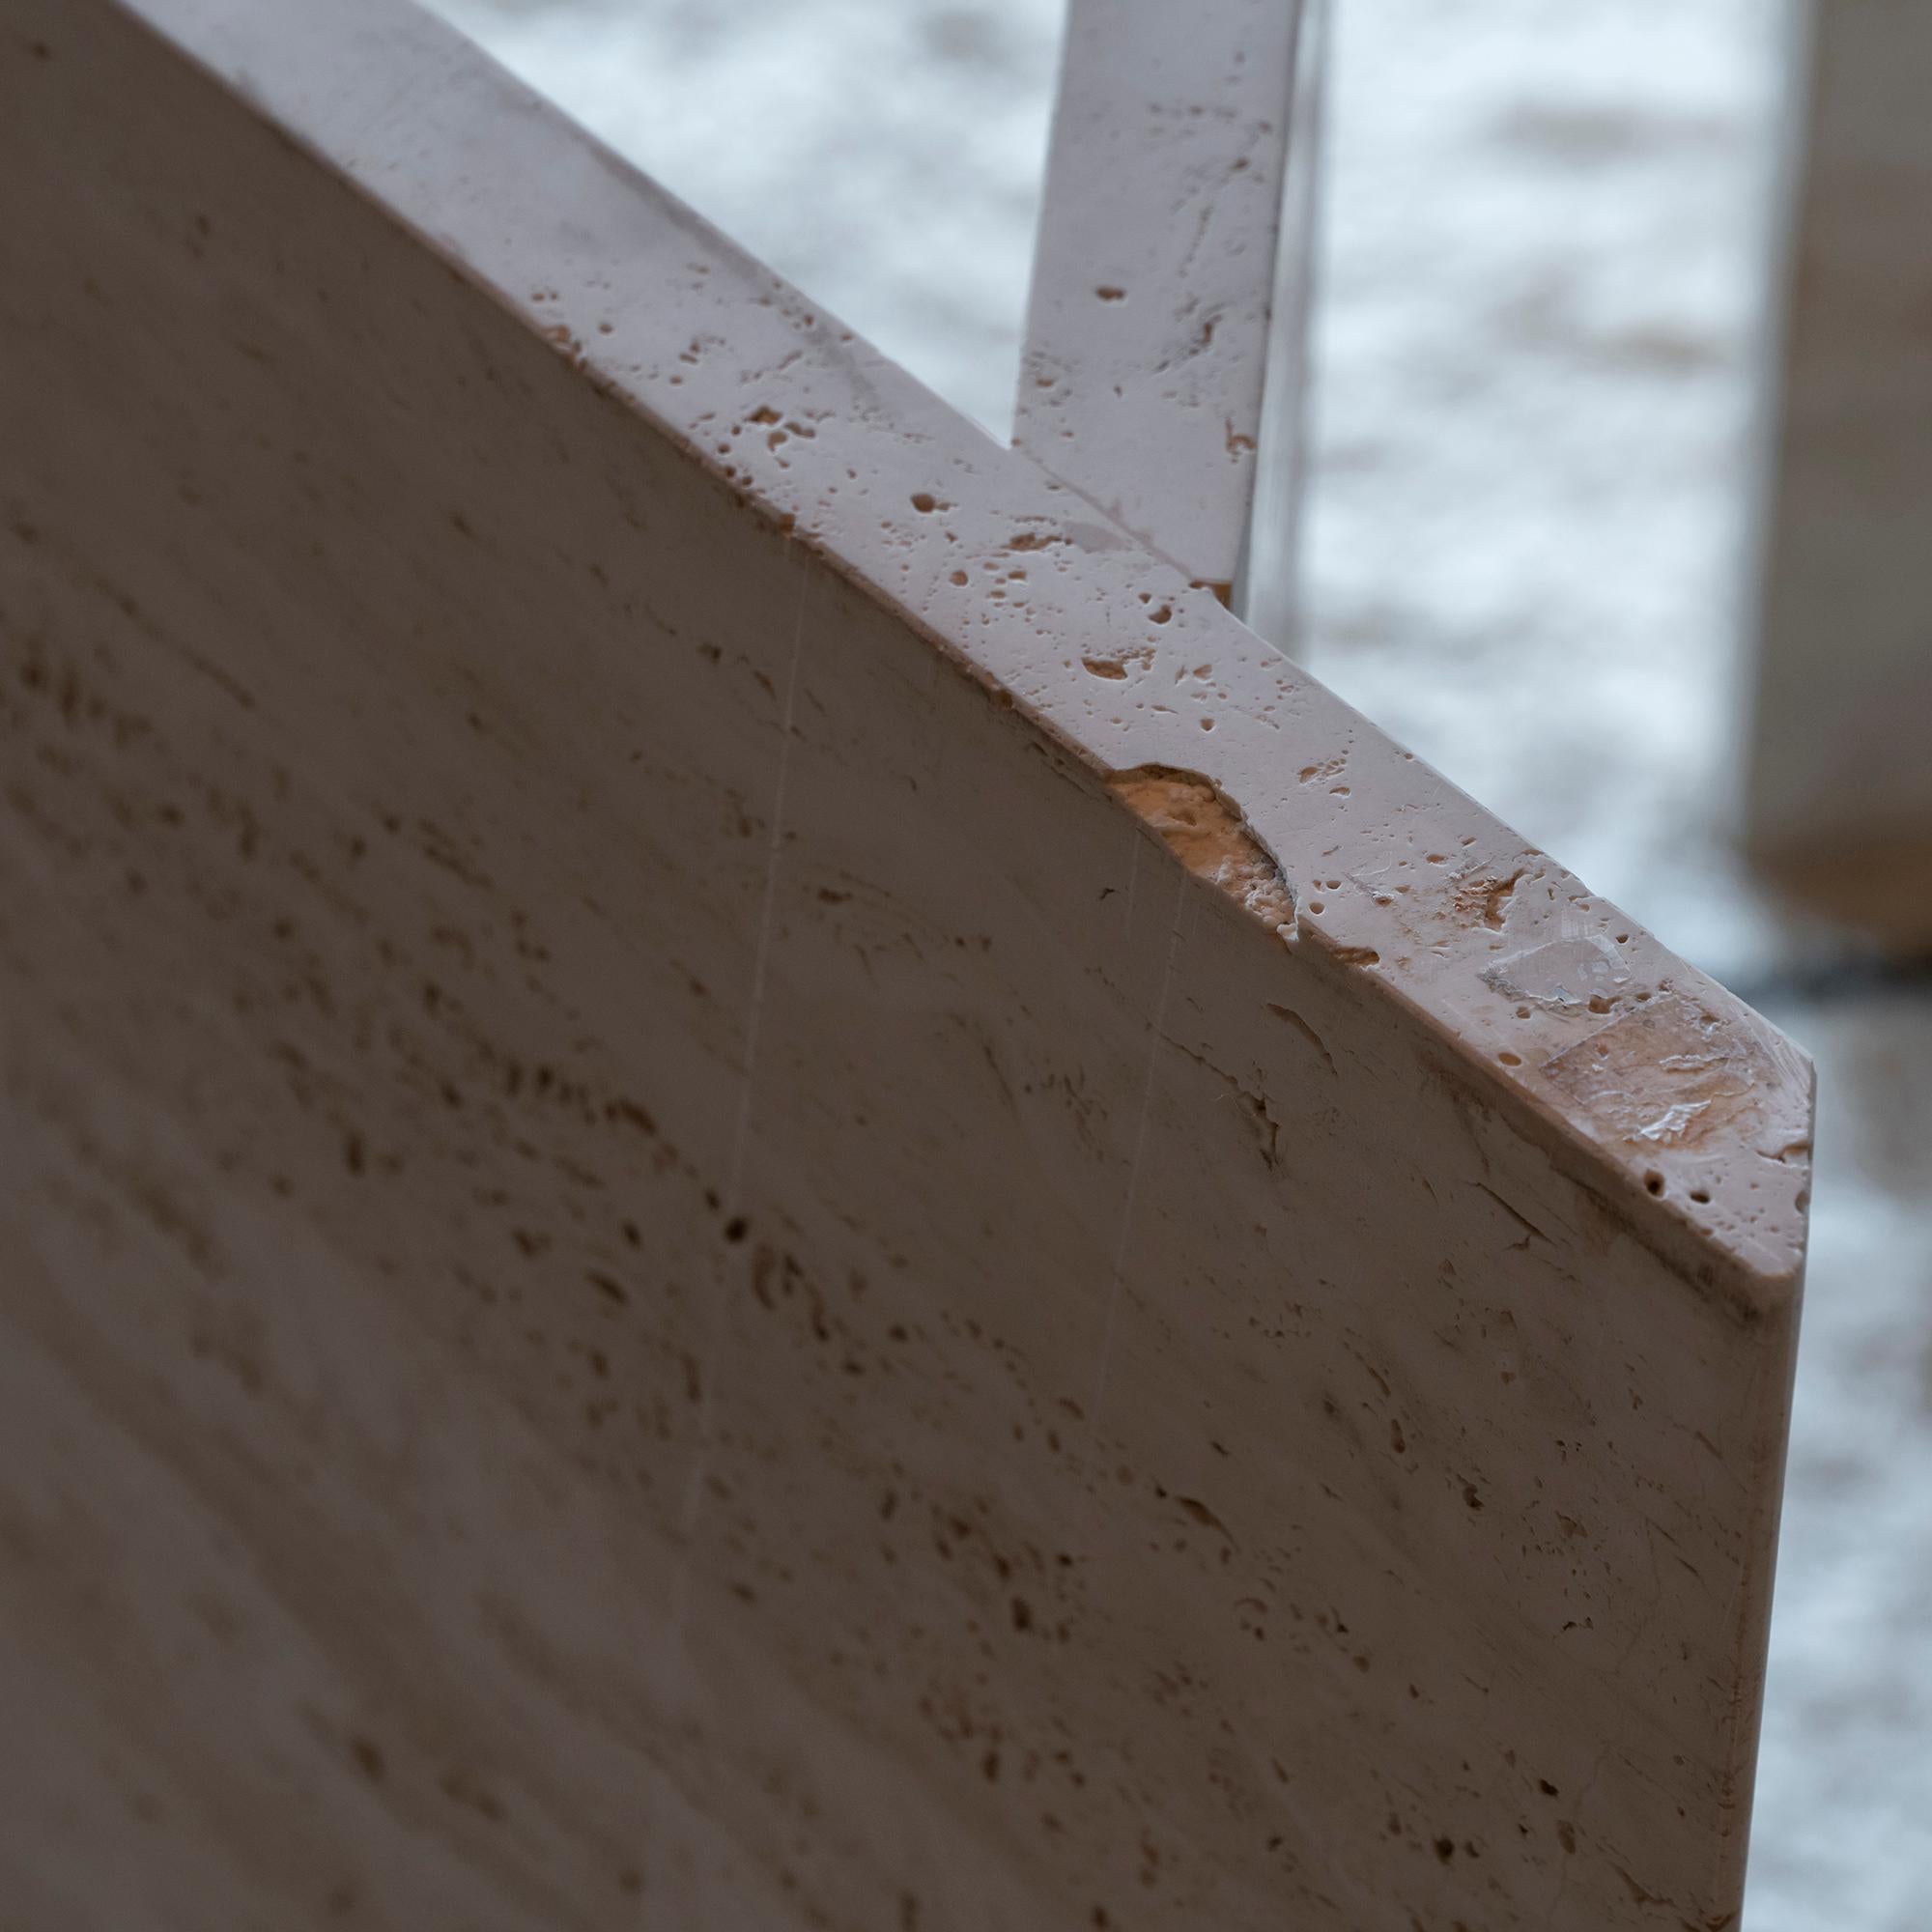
1838 801
1268 590
748 1182
1154 288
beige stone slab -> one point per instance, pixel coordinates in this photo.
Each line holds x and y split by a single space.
1839 778
1267 593
662 1263
1155 277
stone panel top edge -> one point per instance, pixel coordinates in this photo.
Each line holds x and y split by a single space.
1695 1111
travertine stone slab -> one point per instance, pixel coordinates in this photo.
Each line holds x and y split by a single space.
1840 792
747 1184
1155 283
1267 593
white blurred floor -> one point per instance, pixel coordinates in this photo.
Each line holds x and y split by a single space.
1542 277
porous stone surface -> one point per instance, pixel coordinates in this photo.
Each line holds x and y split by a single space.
1142 378
699 1227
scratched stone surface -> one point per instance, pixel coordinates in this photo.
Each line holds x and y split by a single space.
1542 285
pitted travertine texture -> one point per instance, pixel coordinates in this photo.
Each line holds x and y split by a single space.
1007 569
1155 273
665 1261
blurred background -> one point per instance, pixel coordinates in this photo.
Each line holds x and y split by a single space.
1541 296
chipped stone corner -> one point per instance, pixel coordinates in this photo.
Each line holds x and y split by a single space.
1204 829
1713 1113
